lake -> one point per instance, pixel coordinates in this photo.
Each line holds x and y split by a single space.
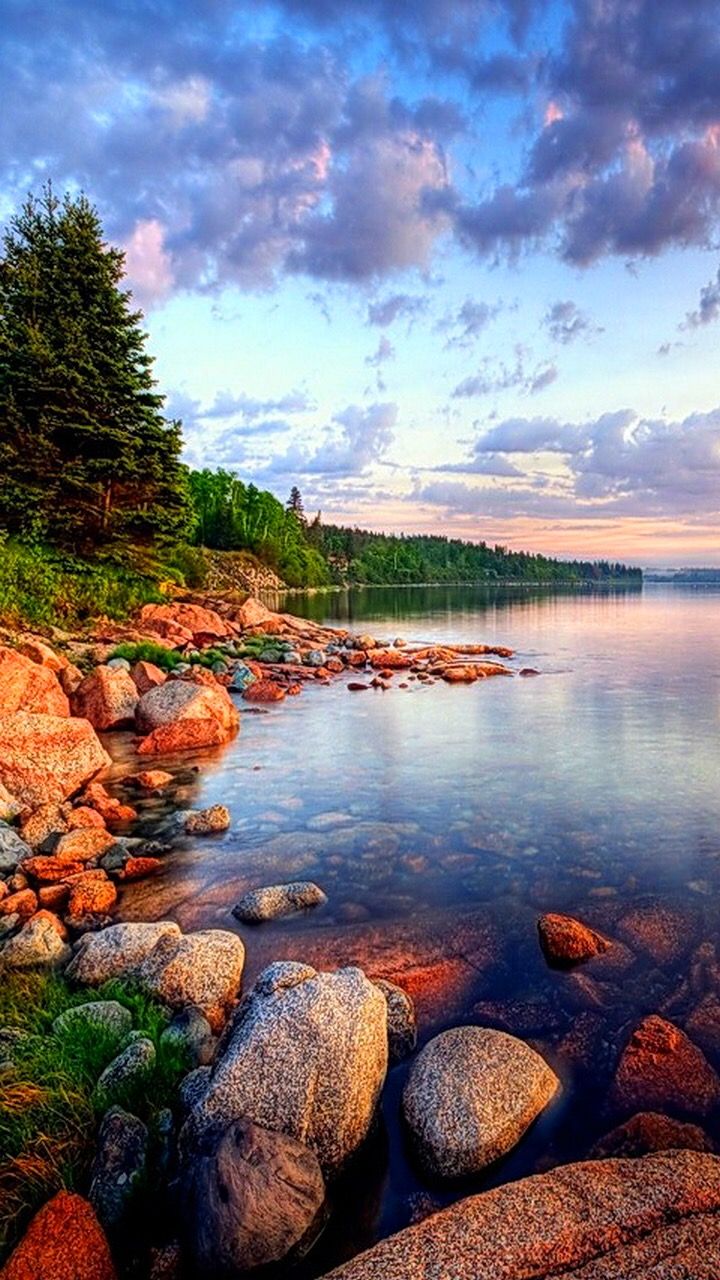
441 819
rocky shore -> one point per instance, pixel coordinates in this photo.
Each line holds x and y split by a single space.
230 1097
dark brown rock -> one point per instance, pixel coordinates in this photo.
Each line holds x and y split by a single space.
661 1069
649 1131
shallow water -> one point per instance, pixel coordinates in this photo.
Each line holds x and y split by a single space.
440 819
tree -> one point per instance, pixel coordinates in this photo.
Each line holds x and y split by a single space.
86 457
295 505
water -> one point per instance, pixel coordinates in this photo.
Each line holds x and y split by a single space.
442 819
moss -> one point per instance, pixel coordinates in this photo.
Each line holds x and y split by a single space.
147 651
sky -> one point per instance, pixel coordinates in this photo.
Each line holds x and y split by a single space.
448 265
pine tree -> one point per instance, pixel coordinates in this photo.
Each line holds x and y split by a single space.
86 457
295 505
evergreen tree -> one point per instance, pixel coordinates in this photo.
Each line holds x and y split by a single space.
86 457
295 505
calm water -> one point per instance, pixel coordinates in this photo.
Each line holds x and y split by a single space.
433 814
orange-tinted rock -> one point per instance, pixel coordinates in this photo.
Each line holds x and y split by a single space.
184 735
54 921
26 686
63 1242
263 691
334 665
252 613
24 904
703 1025
53 897
51 870
92 893
178 700
663 932
153 779
137 868
567 941
70 677
357 658
107 698
84 816
649 1131
43 821
205 625
661 1069
390 658
110 809
459 675
170 633
47 757
37 651
83 844
146 675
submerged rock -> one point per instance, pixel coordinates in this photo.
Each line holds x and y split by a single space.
470 1096
649 1131
203 822
660 1068
278 900
566 941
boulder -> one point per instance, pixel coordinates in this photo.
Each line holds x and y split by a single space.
24 904
253 614
107 698
43 822
9 806
597 1220
112 953
305 1055
146 676
191 1033
278 900
203 969
39 945
37 651
254 1197
13 850
566 941
661 1069
47 757
25 686
83 844
118 1170
649 1131
203 822
110 1015
63 1242
470 1096
51 870
659 930
184 735
401 1020
70 678
263 691
84 816
127 1071
92 894
153 779
204 625
170 705
703 1024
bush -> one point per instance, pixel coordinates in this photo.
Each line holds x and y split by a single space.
39 587
147 651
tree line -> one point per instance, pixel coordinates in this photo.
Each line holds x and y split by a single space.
90 465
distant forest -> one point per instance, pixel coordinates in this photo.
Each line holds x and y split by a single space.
231 515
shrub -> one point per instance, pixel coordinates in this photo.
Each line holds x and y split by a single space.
147 651
39 587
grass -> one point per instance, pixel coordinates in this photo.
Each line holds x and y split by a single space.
48 1113
166 659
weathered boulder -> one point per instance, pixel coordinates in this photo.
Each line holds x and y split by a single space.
118 1169
82 844
253 614
184 735
47 757
598 1220
305 1055
9 806
43 822
191 1033
566 941
92 894
203 969
401 1020
107 697
204 625
25 686
109 1015
203 822
12 849
649 1131
63 1242
470 1096
118 949
39 945
146 676
661 1069
127 1071
37 651
180 711
252 1198
278 900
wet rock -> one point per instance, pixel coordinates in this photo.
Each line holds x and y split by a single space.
581 1046
663 932
153 779
47 757
12 849
146 676
305 1055
191 1033
565 941
109 807
63 1242
126 1072
26 686
647 1132
40 944
263 691
107 697
115 951
118 1169
203 969
110 1015
470 1096
138 868
82 845
203 822
401 1020
518 1017
181 711
661 1069
278 900
597 1220
254 1198
703 1024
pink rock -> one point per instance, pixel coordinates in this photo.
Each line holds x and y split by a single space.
145 676
107 698
47 757
25 686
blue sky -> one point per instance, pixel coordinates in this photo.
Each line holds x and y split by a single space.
449 264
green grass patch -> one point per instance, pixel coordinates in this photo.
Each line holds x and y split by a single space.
48 1113
146 651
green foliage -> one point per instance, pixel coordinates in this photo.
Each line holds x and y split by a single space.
40 587
86 458
48 1112
146 651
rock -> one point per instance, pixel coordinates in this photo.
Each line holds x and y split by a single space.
24 904
253 614
51 870
108 1014
12 850
263 691
470 1096
70 678
153 779
109 808
203 822
37 651
9 806
518 1017
107 698
118 949
649 1131
25 686
658 930
91 894
390 659
191 1033
84 816
401 1021
180 715
661 1069
47 757
597 1220
82 845
305 1055
118 664
43 822
204 625
53 897
193 1087
254 1198
146 676
203 969
127 1071
703 1025
118 1170
39 945
138 868
566 941
278 900
63 1242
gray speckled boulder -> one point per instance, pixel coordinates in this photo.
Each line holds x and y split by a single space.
127 1070
470 1096
12 849
402 1024
203 969
278 900
191 1033
111 953
254 1197
119 1166
107 1014
37 946
306 1055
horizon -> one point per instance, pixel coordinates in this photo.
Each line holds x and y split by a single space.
448 267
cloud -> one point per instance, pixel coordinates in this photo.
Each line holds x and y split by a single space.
468 322
709 306
355 440
387 310
565 322
490 380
